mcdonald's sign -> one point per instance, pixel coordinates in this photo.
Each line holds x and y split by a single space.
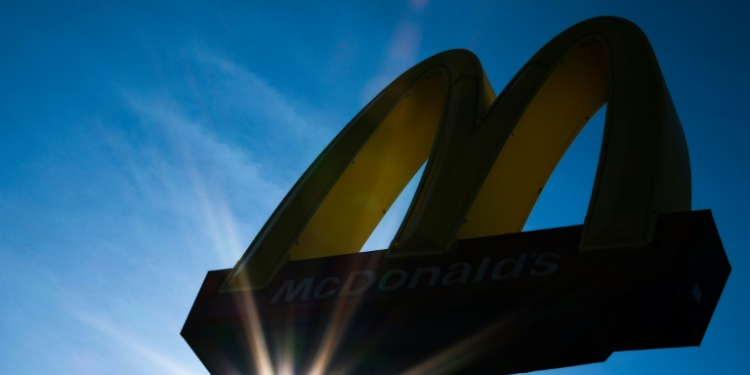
461 289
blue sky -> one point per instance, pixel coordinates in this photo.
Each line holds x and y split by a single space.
143 144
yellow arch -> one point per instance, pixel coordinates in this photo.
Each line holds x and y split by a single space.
342 196
489 159
488 184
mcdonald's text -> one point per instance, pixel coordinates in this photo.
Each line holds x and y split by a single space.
457 274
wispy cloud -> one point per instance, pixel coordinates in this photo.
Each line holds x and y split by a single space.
402 53
153 200
137 349
200 171
217 188
256 96
418 5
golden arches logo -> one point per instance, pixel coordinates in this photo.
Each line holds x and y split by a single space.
489 157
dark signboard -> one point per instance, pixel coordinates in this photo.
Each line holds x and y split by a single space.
497 305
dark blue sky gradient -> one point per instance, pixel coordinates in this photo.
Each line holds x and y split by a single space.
143 144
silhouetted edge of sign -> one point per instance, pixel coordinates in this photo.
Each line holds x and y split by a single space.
517 302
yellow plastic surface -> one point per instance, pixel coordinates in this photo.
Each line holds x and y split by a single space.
377 174
575 90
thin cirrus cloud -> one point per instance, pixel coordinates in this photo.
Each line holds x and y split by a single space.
137 350
201 181
255 96
201 178
402 53
231 181
418 5
179 196
278 130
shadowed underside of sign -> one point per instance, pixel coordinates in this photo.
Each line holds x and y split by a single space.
503 304
460 290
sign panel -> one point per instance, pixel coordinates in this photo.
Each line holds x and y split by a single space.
498 305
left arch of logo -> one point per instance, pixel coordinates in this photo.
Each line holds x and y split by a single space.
488 158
